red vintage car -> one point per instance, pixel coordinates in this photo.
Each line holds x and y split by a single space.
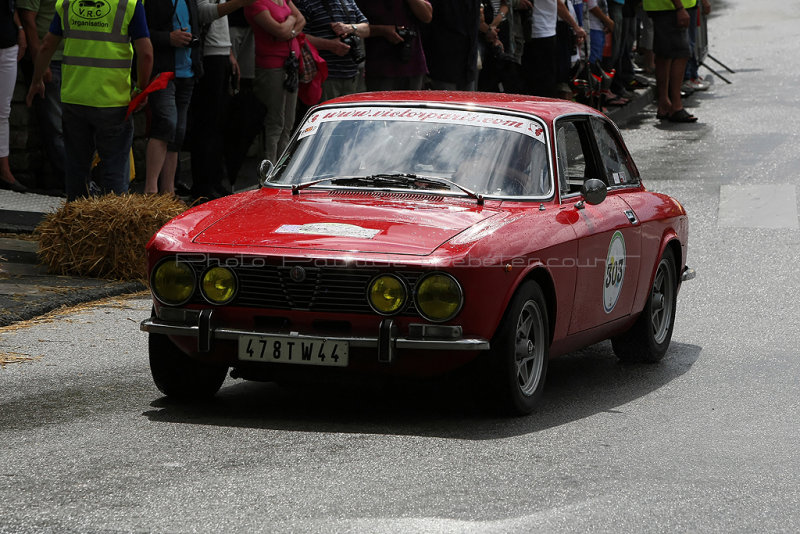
410 233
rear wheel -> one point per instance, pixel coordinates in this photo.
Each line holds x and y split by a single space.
648 339
520 350
180 377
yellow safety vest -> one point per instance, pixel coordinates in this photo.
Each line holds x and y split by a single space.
96 69
666 5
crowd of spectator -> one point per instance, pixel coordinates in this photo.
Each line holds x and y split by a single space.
236 66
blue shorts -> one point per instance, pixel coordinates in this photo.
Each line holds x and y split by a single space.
169 109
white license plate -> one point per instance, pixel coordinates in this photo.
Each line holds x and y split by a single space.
287 349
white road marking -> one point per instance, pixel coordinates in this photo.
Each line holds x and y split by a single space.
758 206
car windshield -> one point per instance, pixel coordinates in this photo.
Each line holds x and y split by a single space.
453 151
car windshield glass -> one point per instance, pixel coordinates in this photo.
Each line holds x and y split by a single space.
407 148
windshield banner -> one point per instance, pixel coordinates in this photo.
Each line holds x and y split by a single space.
521 125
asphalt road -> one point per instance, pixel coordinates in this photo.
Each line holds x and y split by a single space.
706 441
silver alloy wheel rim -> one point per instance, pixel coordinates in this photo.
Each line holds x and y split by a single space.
661 298
529 348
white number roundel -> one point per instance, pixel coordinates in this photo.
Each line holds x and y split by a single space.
615 271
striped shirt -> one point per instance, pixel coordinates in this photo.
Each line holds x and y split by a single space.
318 24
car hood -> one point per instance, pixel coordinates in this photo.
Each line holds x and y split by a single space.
412 224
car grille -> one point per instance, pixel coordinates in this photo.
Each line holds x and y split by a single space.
323 289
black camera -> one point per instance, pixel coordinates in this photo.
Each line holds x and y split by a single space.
497 51
194 43
408 35
290 67
356 50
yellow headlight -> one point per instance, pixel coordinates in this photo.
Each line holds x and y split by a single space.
387 294
439 297
173 282
219 285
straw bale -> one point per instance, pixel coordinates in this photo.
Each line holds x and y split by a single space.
104 237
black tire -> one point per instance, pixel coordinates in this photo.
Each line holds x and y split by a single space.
649 337
180 377
520 350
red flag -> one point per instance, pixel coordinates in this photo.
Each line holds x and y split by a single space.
158 83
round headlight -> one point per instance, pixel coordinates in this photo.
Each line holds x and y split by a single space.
218 285
439 297
387 294
173 282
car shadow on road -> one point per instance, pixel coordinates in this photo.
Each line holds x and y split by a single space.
579 385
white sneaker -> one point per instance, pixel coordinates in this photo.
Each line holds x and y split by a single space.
699 84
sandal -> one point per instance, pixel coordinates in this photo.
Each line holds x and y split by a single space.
682 116
662 116
618 101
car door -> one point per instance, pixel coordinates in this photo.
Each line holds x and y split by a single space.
608 234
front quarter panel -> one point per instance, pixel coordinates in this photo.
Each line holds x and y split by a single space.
492 264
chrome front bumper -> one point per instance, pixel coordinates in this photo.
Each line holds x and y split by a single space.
199 324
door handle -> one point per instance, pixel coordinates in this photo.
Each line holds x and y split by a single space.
631 216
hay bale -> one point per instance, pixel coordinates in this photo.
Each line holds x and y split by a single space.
104 237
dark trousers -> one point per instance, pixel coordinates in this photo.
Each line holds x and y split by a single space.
244 121
105 130
621 59
207 112
565 47
539 66
48 117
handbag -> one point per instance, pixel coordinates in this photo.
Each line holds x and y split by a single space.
308 67
310 92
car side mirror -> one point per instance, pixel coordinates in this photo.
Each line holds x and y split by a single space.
594 191
265 168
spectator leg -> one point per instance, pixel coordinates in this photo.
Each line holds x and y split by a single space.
166 179
207 109
677 70
183 96
79 149
155 155
539 66
244 121
692 65
269 90
113 139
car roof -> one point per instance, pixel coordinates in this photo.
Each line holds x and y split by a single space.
545 108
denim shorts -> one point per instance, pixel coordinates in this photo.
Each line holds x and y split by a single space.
169 110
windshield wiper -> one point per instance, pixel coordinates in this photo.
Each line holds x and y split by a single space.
402 178
302 185
391 179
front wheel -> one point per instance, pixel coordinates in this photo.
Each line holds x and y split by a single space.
520 350
649 337
178 376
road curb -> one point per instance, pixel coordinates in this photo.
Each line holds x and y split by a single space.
632 110
50 302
